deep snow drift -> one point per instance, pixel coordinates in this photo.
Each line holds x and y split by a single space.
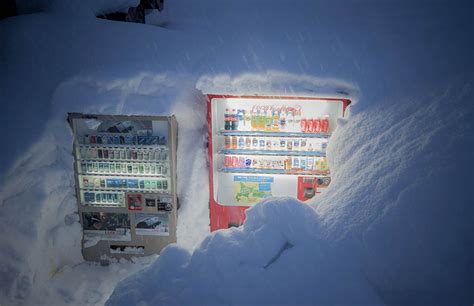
395 227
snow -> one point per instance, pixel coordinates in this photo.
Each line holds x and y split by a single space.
395 226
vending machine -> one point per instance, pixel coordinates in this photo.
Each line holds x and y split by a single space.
264 146
125 175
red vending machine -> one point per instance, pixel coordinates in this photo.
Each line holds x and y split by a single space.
264 146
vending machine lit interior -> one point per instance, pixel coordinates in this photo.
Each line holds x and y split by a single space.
264 146
125 173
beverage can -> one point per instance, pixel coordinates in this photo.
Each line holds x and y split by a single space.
303 125
296 144
241 162
227 142
309 164
254 142
310 125
234 142
235 161
282 143
303 145
241 143
296 163
269 144
227 161
248 142
261 143
289 145
303 163
112 154
248 163
140 155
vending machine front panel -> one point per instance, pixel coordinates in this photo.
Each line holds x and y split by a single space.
266 146
125 171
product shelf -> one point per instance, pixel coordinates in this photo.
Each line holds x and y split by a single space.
275 171
123 146
124 175
133 161
274 134
104 205
272 152
165 192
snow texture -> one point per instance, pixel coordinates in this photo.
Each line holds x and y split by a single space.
394 228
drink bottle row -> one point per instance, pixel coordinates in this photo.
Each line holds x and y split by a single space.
316 165
124 154
274 143
122 139
123 168
104 198
274 118
121 183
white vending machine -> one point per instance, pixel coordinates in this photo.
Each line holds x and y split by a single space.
125 174
264 146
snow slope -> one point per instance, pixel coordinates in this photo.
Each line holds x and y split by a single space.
396 226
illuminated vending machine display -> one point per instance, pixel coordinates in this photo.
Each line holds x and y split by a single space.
264 146
125 173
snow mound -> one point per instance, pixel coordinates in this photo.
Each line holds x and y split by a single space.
394 228
270 260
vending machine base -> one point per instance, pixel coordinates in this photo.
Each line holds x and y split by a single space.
125 173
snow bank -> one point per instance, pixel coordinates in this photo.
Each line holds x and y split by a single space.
270 260
395 227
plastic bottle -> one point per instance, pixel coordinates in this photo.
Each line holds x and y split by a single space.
261 120
254 119
283 120
290 120
268 120
227 120
297 116
247 120
234 120
240 118
275 121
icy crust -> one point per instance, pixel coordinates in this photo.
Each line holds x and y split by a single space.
276 258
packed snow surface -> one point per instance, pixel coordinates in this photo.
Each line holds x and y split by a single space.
394 228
